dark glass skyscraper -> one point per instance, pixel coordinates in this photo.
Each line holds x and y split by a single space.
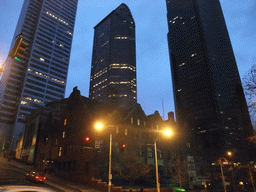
113 71
40 75
207 88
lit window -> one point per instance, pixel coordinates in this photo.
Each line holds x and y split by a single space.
125 132
41 59
60 151
131 120
138 122
173 22
120 37
31 99
181 64
104 44
61 45
117 130
46 76
194 54
63 134
65 121
69 33
55 17
23 102
179 90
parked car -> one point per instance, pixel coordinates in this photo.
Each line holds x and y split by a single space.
36 177
23 189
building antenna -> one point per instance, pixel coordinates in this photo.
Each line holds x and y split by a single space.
163 107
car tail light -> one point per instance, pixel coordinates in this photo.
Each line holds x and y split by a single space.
44 178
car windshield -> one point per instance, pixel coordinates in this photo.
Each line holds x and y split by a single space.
40 174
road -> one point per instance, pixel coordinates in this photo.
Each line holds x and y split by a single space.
11 175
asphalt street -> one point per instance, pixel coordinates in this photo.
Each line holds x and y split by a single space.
11 175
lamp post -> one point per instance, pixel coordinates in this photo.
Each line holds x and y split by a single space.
223 178
109 165
168 133
99 127
233 180
157 179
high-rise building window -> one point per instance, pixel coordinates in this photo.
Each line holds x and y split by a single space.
60 149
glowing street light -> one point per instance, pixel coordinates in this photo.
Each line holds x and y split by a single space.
98 126
168 132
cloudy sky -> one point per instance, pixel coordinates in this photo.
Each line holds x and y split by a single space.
153 67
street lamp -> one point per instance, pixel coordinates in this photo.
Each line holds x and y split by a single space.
233 180
99 126
168 133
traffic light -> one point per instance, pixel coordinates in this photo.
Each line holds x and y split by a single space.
18 49
122 147
87 139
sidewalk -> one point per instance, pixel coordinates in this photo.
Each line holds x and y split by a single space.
54 179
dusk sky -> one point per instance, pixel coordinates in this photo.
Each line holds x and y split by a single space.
154 82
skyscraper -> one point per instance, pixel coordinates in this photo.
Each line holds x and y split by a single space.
113 71
28 82
208 94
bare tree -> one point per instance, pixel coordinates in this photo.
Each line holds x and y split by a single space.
249 85
129 168
179 171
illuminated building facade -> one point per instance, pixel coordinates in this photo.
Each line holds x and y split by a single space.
40 75
207 88
113 71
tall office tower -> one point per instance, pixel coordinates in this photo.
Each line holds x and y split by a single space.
113 71
207 88
38 73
